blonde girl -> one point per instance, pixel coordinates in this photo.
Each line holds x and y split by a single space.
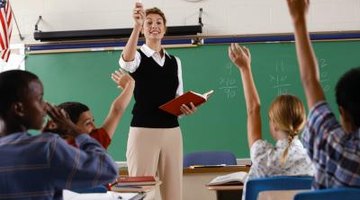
286 120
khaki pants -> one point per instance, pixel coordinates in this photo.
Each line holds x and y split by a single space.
157 152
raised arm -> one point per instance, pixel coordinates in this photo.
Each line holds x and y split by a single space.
241 57
309 71
119 105
129 51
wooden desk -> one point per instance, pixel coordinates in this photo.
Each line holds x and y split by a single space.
227 192
203 170
194 180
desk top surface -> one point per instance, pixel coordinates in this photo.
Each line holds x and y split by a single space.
225 187
200 170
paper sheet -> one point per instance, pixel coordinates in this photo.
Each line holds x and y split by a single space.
70 195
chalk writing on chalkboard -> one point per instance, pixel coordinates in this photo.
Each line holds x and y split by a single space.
324 75
227 82
279 80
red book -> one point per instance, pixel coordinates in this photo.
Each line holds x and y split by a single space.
135 180
173 106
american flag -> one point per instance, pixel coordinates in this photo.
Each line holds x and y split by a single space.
6 16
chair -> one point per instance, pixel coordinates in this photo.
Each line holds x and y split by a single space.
209 158
255 186
330 194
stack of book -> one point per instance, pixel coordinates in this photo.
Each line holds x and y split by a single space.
134 184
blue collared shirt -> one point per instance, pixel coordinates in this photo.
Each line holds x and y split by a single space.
39 167
336 155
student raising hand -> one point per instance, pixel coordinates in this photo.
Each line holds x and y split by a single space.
332 145
286 119
239 55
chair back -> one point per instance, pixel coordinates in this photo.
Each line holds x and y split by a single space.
209 158
330 194
255 186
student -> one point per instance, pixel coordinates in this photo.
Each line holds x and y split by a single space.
286 120
333 146
39 167
81 115
155 141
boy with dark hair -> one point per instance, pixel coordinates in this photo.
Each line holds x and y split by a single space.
334 147
82 117
39 167
74 109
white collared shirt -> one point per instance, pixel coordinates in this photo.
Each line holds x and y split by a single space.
265 160
132 66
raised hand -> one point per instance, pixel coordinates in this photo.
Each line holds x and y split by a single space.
239 55
139 14
122 79
298 9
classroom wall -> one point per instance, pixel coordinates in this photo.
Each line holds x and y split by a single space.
225 17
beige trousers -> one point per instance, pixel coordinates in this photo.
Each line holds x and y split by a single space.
157 152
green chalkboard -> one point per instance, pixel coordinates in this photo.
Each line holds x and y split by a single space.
219 124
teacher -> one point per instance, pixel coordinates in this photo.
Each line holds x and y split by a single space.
155 142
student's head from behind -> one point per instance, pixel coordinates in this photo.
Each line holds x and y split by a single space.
286 116
348 99
21 101
155 24
80 115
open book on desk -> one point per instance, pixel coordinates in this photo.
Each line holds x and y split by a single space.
237 178
173 106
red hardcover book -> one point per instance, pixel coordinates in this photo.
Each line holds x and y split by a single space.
173 106
135 180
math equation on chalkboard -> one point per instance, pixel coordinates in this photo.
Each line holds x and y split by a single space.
227 83
279 79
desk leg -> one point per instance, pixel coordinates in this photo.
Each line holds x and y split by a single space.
229 194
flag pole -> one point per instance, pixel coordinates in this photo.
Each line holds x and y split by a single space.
17 26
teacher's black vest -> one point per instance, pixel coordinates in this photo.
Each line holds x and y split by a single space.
154 86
